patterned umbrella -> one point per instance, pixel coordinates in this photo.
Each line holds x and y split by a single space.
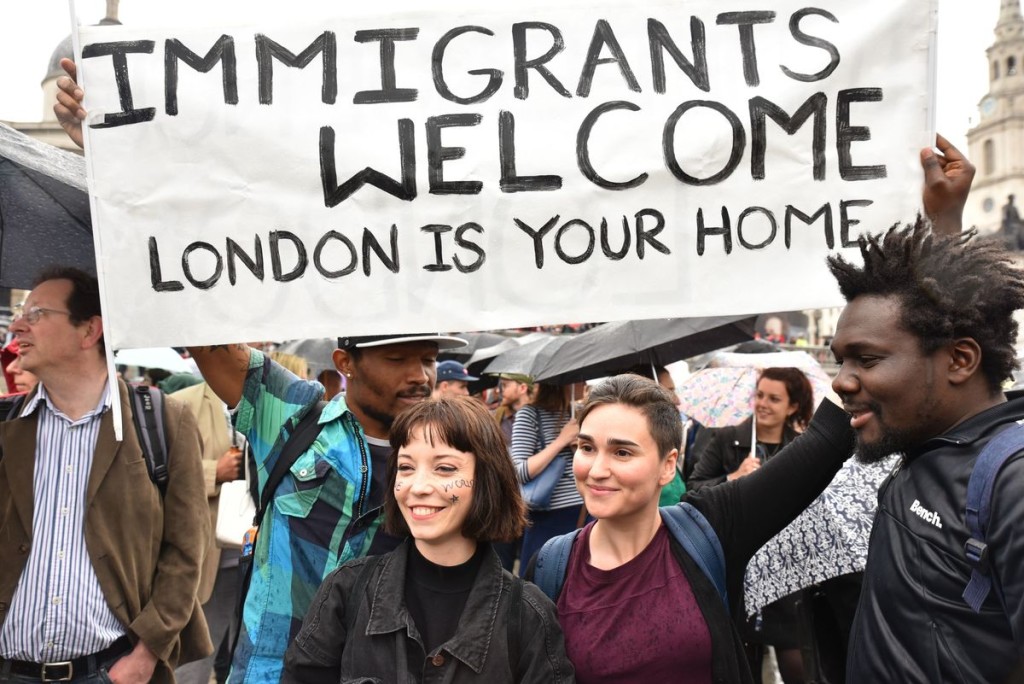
829 539
716 397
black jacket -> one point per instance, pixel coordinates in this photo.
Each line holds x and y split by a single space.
720 451
912 623
386 647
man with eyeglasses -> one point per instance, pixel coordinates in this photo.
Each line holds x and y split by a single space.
100 568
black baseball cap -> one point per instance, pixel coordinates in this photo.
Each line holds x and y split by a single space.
366 341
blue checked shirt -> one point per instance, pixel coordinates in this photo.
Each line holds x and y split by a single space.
319 517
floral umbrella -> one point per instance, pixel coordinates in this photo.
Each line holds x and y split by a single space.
829 539
716 397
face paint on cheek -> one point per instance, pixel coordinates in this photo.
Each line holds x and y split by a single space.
455 499
398 486
458 484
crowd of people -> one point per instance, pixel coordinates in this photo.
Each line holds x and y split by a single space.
389 517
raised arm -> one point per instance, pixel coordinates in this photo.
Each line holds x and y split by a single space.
68 107
947 181
749 511
224 367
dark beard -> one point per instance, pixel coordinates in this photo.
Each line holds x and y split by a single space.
386 419
383 418
891 442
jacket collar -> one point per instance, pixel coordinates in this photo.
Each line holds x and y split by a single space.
40 396
19 443
472 639
977 425
107 446
744 429
335 407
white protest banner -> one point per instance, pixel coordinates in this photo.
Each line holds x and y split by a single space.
486 166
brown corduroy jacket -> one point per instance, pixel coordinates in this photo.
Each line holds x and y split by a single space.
146 548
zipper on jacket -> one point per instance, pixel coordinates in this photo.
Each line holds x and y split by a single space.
364 468
945 661
897 467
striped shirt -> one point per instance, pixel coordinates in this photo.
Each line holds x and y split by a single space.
533 430
58 611
321 515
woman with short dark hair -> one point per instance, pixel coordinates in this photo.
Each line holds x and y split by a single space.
440 604
634 605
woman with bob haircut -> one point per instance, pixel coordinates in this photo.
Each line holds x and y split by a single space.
630 589
440 606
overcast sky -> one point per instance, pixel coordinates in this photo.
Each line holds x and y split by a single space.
29 31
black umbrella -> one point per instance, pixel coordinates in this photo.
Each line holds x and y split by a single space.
614 347
44 210
529 358
474 341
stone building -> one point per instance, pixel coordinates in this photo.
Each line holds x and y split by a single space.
996 143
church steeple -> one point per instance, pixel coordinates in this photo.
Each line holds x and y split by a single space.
1009 16
996 142
1006 55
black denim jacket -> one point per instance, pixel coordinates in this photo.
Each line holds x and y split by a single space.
385 645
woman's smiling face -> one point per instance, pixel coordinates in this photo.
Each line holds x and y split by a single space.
772 404
617 466
434 491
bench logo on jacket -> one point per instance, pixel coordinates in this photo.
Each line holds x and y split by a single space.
926 515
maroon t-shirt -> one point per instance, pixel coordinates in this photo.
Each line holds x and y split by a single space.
637 623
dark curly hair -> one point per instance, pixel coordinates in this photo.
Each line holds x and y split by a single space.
949 287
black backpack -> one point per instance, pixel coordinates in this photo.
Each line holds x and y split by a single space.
148 417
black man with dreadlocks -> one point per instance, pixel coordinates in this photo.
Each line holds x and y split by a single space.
925 343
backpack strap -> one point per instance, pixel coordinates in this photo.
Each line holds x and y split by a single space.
514 623
694 533
979 505
552 564
301 438
148 417
685 523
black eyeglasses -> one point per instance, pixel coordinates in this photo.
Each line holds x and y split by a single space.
33 315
